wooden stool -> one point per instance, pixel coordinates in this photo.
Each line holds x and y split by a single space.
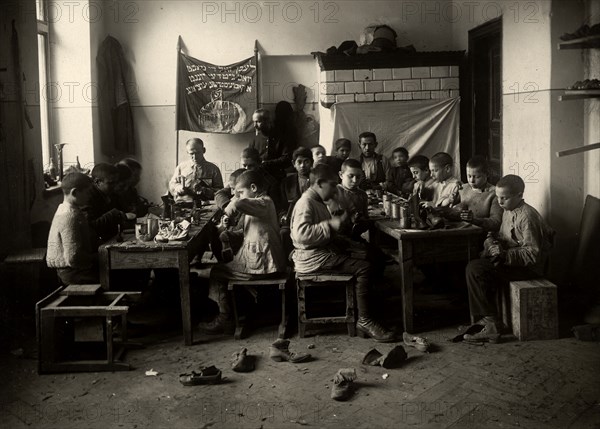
312 280
279 281
57 317
533 309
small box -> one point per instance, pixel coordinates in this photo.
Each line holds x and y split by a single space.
534 309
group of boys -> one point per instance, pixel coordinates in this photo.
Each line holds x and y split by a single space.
93 210
320 205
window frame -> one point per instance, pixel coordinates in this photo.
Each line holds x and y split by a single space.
43 30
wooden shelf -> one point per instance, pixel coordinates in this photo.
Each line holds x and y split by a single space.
588 42
580 94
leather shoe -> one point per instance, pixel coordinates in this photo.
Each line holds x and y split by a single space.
488 333
279 352
343 386
370 328
220 325
241 362
392 359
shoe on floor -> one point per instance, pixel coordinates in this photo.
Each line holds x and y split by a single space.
241 362
394 358
207 375
372 329
419 343
372 358
343 386
279 352
488 333
220 325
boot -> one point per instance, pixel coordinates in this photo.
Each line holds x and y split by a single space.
279 352
343 384
222 324
368 327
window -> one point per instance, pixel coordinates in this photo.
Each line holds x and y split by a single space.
44 79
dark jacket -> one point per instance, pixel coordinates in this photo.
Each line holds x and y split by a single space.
102 216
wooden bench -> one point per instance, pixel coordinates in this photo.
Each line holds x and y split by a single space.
279 281
57 319
321 280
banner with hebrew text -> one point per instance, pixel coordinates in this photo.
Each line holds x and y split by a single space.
215 99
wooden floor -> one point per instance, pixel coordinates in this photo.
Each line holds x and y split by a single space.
544 384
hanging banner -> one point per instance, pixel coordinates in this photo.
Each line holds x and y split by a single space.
215 99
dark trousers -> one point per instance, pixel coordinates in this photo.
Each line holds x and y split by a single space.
361 270
484 281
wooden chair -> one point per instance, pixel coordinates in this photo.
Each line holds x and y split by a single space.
279 281
321 280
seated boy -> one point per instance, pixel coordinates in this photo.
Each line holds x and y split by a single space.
478 203
130 201
313 229
445 192
375 166
319 154
342 149
295 183
250 160
516 252
401 181
69 246
225 240
261 254
103 217
352 200
424 183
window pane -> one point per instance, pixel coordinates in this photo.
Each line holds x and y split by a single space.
43 97
40 7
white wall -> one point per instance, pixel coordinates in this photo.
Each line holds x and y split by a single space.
213 35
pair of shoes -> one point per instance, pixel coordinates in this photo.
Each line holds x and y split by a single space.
392 359
370 328
241 362
207 375
419 343
279 352
343 386
488 333
220 325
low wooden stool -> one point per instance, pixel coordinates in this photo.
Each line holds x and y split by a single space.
313 280
57 316
533 309
279 281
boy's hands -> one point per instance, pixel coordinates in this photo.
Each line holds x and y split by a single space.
466 215
336 221
426 204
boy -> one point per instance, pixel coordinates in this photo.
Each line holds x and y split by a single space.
342 152
295 183
250 160
229 242
445 192
478 204
375 166
424 183
69 245
261 254
351 199
516 252
319 154
401 181
103 217
312 230
129 200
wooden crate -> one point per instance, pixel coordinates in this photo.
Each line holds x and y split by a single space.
534 309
